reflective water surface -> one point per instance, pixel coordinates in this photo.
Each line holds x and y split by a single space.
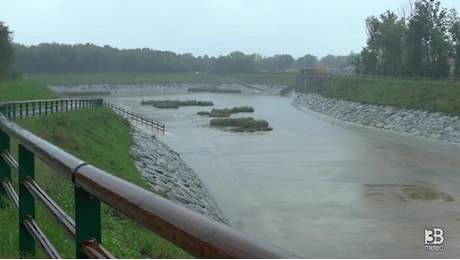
314 188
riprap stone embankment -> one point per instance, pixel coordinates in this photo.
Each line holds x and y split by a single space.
135 89
168 175
437 126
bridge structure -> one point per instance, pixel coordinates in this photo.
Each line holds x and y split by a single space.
193 232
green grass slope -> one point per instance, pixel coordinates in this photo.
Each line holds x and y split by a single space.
433 96
99 137
24 90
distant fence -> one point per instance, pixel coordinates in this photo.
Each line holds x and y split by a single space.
193 232
137 117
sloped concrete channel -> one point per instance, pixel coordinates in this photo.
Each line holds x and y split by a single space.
318 186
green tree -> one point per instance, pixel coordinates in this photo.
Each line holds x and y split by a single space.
307 61
383 54
6 53
454 31
427 40
235 62
420 46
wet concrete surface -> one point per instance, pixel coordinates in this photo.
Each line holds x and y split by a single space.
317 189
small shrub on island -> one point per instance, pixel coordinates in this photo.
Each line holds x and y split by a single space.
246 124
226 112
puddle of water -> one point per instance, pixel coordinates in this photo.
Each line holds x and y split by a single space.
404 192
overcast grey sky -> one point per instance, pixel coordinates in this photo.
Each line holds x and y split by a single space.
212 27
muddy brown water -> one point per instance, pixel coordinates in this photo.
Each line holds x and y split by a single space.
314 188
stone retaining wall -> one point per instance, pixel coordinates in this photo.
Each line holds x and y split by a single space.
435 126
168 175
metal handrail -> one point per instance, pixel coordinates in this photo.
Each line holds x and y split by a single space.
137 117
195 233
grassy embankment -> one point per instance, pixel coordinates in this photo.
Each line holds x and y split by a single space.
123 78
271 79
433 96
87 134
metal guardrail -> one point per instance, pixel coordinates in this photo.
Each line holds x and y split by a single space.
195 233
137 117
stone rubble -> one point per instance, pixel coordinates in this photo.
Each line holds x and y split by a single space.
168 175
437 126
160 88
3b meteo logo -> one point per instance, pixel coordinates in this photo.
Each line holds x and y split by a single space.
434 238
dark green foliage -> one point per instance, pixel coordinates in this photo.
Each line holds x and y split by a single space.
175 103
90 58
420 45
246 124
6 53
226 112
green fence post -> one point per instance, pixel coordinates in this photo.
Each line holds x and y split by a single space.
5 171
26 201
87 219
9 111
20 111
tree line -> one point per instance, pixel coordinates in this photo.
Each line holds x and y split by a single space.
422 43
6 53
90 58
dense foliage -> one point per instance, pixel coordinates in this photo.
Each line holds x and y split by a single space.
245 124
426 43
226 112
90 58
6 53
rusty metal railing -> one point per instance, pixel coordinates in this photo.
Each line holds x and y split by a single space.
195 233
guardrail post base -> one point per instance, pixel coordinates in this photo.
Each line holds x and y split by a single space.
26 202
87 219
